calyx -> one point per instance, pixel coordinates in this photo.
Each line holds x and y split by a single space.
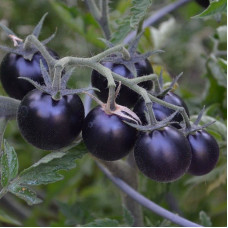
135 57
159 90
62 90
195 126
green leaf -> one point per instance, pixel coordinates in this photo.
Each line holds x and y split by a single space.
223 64
46 170
128 217
9 164
129 22
216 7
5 218
217 71
106 222
24 193
122 30
204 219
138 11
43 172
214 93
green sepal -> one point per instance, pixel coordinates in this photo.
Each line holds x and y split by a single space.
37 29
7 30
158 125
77 91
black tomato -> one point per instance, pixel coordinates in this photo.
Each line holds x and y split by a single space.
163 155
205 152
127 97
203 3
107 137
49 124
160 111
14 66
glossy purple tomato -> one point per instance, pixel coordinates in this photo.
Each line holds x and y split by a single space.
163 155
107 137
160 111
127 97
14 66
49 124
205 152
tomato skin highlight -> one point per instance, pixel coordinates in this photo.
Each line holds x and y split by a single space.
205 152
48 124
126 97
107 137
164 155
161 112
14 66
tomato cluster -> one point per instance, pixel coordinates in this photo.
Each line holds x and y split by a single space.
163 154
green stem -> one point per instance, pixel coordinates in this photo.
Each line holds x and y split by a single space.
104 22
152 119
110 51
93 63
174 107
101 16
8 107
111 98
56 83
143 78
148 97
157 87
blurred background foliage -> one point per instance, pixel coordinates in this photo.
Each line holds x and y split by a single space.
193 46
